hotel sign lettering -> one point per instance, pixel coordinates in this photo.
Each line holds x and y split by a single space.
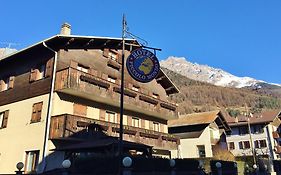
143 65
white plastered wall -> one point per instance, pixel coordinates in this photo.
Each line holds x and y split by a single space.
20 135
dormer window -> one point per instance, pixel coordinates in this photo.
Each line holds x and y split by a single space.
83 68
6 83
42 70
112 55
111 79
154 95
109 53
135 88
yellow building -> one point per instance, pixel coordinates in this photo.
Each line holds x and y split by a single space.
39 105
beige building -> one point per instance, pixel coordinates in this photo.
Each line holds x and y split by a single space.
39 106
199 133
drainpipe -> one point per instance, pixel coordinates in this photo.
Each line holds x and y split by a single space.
270 146
49 110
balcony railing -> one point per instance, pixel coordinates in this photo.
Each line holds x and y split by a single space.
93 87
65 125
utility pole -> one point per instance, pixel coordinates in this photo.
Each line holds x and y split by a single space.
120 145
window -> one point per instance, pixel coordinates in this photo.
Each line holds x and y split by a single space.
38 73
154 95
243 130
258 129
111 117
7 83
31 161
4 119
83 68
36 112
112 55
111 79
201 150
244 145
231 146
135 88
260 144
135 122
156 126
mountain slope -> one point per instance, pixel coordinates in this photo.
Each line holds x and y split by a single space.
206 73
198 96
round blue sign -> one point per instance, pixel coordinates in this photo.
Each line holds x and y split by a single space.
143 65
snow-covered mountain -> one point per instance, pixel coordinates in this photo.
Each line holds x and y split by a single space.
208 74
6 51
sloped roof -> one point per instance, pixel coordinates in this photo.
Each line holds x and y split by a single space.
263 117
199 119
91 42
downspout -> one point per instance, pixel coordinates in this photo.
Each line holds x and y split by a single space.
270 146
49 110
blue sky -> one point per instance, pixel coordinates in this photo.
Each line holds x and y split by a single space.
241 37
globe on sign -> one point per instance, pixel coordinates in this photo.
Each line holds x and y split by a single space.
146 66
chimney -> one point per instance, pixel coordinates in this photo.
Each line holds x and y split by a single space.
65 29
236 120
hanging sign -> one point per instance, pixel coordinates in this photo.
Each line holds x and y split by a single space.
143 65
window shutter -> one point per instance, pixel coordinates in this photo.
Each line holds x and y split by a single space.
129 121
33 75
150 125
5 119
79 109
73 64
106 52
119 58
93 72
102 114
39 111
36 112
2 83
104 76
11 82
142 123
49 68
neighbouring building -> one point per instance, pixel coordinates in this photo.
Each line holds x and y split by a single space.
40 107
264 135
199 133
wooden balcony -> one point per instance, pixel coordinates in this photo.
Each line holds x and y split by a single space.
65 125
97 88
275 134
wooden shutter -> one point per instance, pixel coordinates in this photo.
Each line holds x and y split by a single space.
150 125
93 72
106 52
104 76
11 82
142 123
73 64
102 114
5 119
33 75
36 112
49 68
79 109
2 84
119 58
129 121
